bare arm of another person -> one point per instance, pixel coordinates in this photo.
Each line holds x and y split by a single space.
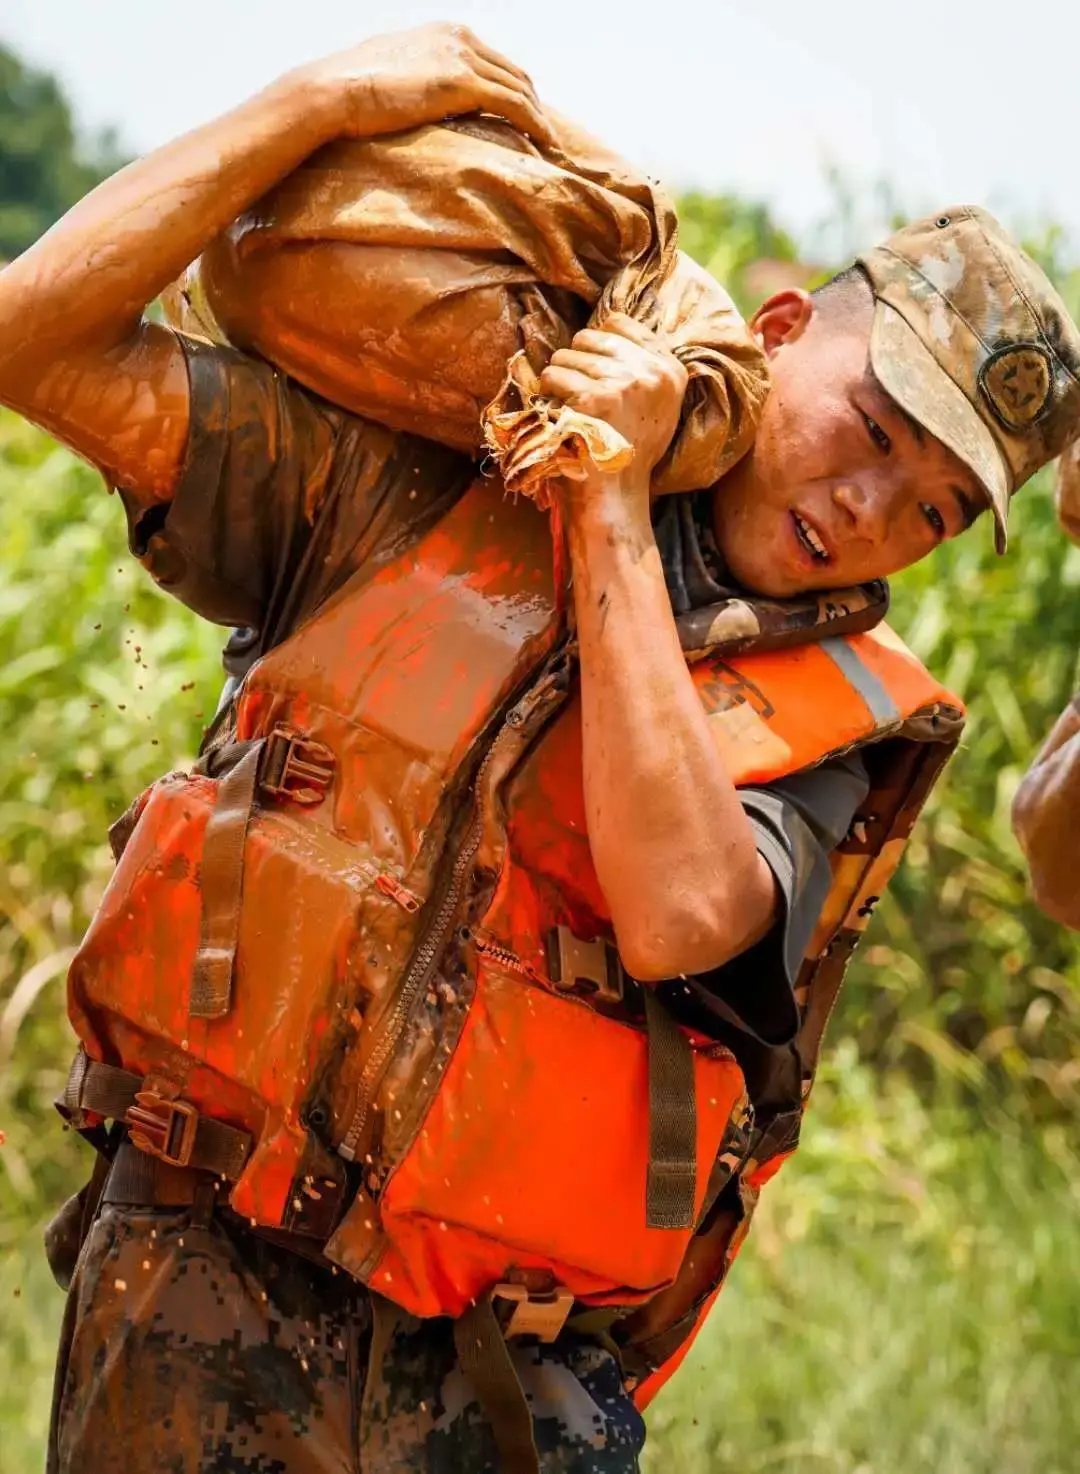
1046 816
75 354
674 851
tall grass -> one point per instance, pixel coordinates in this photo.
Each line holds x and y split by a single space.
907 1304
102 680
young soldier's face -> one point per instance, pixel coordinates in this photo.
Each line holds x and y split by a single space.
840 486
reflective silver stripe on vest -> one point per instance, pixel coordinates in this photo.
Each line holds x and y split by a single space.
882 707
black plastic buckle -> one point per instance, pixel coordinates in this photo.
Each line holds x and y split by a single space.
296 767
163 1128
590 969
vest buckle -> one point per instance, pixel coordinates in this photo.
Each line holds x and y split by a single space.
525 1312
591 969
296 767
162 1128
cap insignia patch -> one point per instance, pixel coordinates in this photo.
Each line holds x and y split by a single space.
1017 381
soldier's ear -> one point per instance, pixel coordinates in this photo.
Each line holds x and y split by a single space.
782 318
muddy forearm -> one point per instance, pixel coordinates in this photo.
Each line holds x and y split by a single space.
673 849
1046 812
83 287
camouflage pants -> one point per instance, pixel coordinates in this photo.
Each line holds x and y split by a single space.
192 1347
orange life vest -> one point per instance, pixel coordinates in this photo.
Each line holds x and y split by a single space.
360 964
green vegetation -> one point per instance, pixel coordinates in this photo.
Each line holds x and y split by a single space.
44 165
904 1305
92 662
961 977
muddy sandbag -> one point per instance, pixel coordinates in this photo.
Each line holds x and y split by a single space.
424 279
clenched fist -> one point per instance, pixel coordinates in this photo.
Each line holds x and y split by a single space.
624 375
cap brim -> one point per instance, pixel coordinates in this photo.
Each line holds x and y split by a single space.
909 373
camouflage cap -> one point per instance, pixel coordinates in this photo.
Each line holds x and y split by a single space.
971 339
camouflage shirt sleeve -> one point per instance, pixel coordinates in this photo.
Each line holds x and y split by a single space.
797 821
282 496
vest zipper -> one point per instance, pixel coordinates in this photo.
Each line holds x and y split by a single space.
509 960
419 973
390 886
430 949
500 954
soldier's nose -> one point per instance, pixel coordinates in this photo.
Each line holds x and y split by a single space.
866 511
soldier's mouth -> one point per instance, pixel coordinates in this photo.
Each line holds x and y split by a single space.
810 538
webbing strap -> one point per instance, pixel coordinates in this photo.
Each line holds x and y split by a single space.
222 882
107 1091
671 1187
484 1358
103 1089
385 1319
139 1180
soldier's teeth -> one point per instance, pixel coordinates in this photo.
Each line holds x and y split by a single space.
810 537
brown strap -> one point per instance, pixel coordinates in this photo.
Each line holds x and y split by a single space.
222 886
385 1316
94 1192
485 1360
108 1091
385 1319
671 1187
103 1089
69 1102
137 1179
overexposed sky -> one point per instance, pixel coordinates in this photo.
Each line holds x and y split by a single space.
950 100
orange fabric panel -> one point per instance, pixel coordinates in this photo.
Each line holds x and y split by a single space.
757 1179
130 986
497 1178
780 711
772 714
262 1192
454 613
401 676
138 957
908 681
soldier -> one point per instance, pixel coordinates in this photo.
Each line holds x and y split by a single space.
452 1014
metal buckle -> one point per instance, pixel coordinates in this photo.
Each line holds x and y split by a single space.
540 1314
163 1128
592 969
296 767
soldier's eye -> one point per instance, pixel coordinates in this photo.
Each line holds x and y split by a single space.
934 517
877 434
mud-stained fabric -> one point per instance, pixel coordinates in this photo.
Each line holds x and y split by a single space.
419 1413
285 497
424 280
282 497
693 568
195 1348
